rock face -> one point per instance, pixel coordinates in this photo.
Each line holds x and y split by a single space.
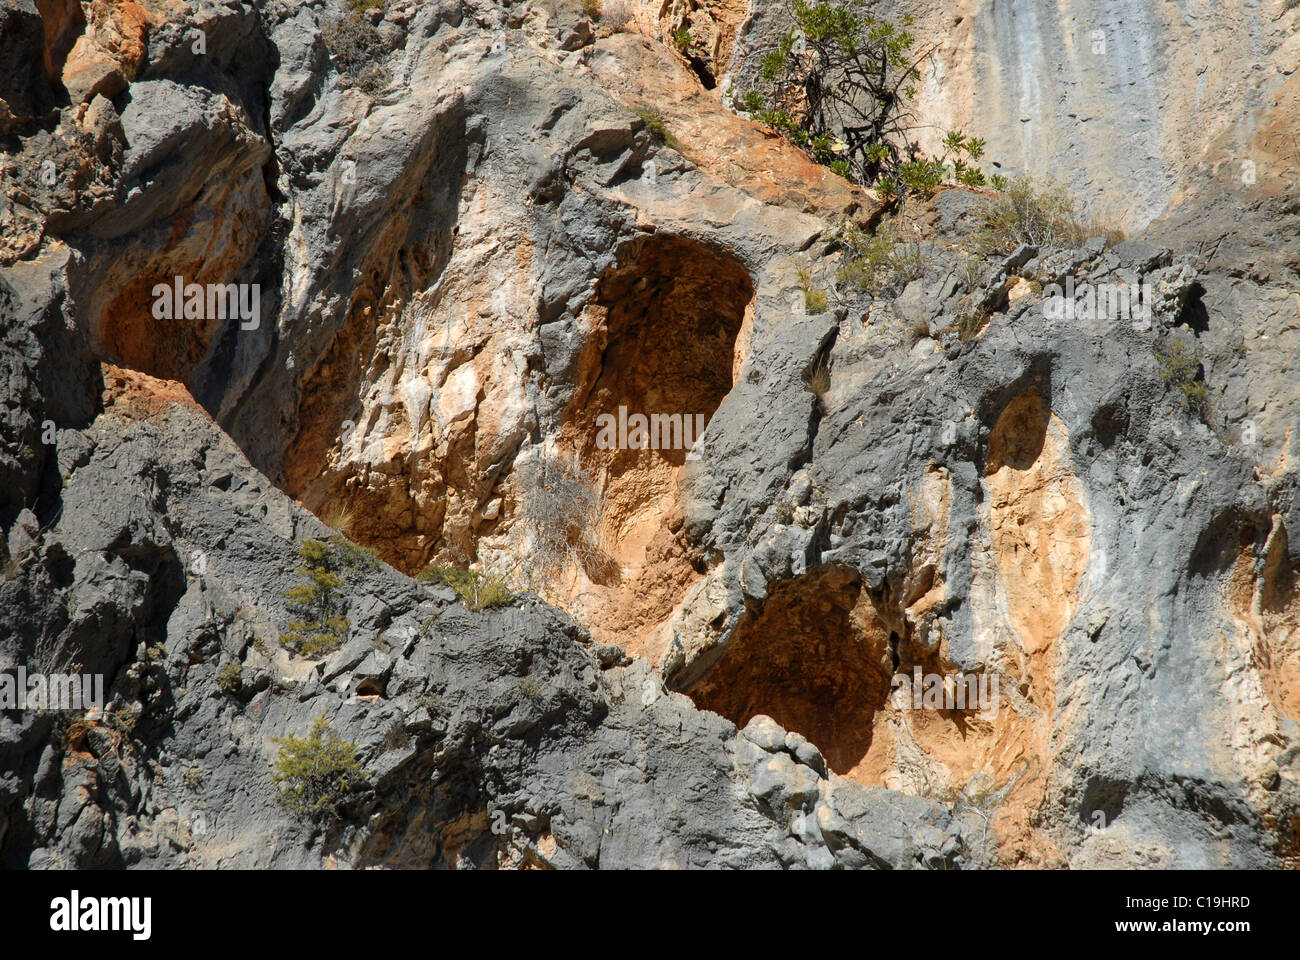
460 240
498 738
1119 100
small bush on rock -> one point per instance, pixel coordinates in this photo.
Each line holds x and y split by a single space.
882 263
319 603
815 300
1041 213
357 49
478 590
1179 367
229 678
658 129
316 774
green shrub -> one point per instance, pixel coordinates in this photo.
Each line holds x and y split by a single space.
590 8
682 39
656 127
923 175
880 263
316 774
478 590
192 778
230 677
124 720
528 685
815 300
1179 368
837 85
319 604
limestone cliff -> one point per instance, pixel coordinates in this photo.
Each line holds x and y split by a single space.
472 230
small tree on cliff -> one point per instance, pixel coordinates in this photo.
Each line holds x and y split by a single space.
838 84
319 602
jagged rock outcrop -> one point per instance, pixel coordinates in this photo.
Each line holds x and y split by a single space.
474 229
497 738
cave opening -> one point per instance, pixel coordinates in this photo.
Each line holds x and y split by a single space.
815 657
666 322
668 332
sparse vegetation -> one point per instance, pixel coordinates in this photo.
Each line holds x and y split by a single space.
590 9
658 129
814 299
1038 212
318 773
433 703
1180 367
971 321
124 720
528 685
357 48
559 514
340 517
230 677
819 380
395 737
837 85
882 263
352 557
479 590
682 39
319 605
192 778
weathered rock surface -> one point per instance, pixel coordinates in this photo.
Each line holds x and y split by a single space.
1119 100
468 246
492 739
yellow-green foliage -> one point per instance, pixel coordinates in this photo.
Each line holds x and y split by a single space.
879 263
1039 212
1179 367
591 8
317 773
229 677
318 603
814 300
658 129
125 719
478 590
529 687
